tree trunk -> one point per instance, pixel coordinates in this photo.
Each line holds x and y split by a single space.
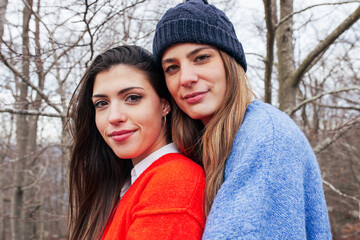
289 77
271 20
30 195
31 227
1 204
2 197
285 53
22 134
3 5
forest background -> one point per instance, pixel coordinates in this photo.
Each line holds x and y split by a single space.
303 57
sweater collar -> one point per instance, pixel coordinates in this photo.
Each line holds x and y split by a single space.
146 162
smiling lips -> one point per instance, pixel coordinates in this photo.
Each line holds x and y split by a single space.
121 136
195 97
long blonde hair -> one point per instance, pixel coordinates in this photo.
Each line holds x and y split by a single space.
210 145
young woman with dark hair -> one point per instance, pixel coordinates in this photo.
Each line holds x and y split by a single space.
127 180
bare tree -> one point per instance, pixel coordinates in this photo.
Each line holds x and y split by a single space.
3 5
318 88
22 133
59 39
271 20
44 57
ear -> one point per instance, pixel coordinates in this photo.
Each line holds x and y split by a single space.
166 108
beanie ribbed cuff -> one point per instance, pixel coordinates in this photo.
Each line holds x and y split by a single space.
192 30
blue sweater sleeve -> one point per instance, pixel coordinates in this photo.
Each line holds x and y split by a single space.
272 186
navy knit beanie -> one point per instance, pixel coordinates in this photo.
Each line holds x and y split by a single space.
197 21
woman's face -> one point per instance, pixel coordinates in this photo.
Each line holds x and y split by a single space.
129 113
196 78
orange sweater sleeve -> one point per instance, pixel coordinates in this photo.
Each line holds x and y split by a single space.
165 202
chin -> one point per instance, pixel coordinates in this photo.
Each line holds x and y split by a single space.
125 156
196 117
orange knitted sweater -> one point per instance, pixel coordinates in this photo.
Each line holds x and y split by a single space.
165 202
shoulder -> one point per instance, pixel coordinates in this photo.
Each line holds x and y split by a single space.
177 167
174 178
265 115
269 137
265 123
172 184
271 169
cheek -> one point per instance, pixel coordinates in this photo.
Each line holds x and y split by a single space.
223 90
151 113
148 119
151 126
171 85
221 85
99 123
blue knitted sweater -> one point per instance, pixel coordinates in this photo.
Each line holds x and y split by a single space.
272 187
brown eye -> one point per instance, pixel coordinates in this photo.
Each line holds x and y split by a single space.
202 58
133 98
100 104
171 68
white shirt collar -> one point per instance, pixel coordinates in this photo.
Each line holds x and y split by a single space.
125 188
146 162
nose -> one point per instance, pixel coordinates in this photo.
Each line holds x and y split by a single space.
117 115
188 76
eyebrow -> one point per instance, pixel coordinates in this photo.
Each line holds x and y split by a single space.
188 55
119 93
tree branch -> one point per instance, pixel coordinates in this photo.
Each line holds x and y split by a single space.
330 140
296 76
342 194
88 30
51 38
28 82
292 111
309 7
31 113
339 107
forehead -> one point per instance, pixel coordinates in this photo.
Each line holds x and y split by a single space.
120 76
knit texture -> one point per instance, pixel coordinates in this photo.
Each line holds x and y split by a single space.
272 187
196 21
165 202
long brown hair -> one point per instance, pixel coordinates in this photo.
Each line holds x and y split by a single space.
96 174
211 144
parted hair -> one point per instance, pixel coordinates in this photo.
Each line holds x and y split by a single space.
96 174
211 144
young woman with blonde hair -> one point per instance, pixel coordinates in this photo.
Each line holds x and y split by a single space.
127 180
262 177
